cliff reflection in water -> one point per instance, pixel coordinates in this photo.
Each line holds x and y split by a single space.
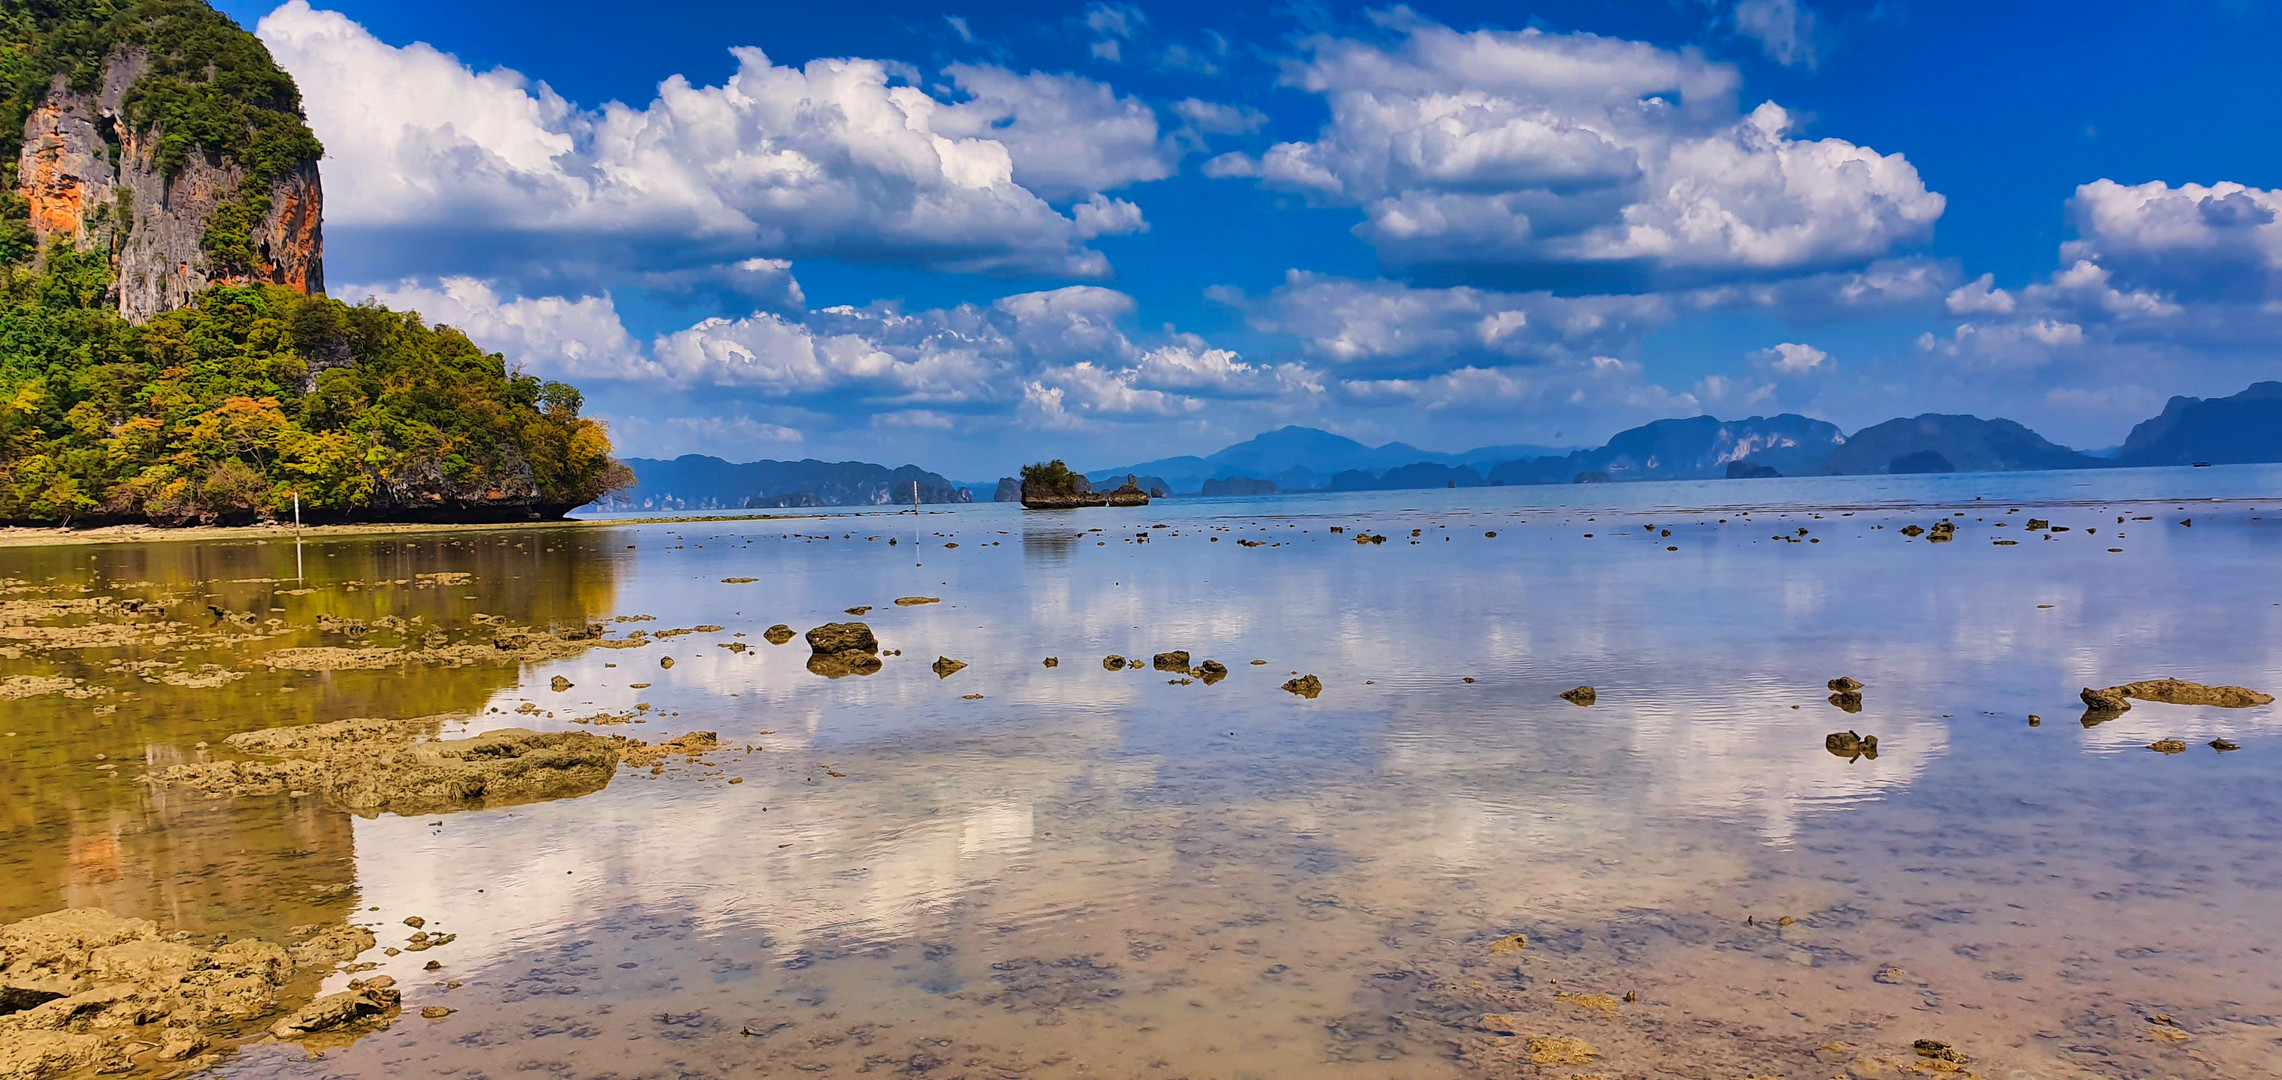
159 648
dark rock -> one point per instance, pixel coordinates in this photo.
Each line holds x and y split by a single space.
1583 695
945 667
1913 530
1114 662
1177 660
2168 746
16 999
1211 671
1306 686
2223 745
1846 702
560 684
2104 701
1850 745
778 634
843 637
1053 661
843 664
1843 685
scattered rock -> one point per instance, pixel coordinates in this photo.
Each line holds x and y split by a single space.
841 649
860 610
364 999
915 601
1113 662
1844 685
1306 686
778 634
560 684
1053 661
367 766
2223 745
2181 692
945 667
738 580
1942 532
434 1012
1211 671
88 991
2103 701
1177 660
1581 696
1938 1051
666 662
1846 701
2168 746
1850 745
643 755
1913 530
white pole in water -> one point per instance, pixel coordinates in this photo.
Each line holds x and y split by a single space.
296 509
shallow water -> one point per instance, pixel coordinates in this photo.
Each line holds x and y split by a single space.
1087 873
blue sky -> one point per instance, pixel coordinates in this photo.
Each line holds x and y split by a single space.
969 237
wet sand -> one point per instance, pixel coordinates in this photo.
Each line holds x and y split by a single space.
1434 868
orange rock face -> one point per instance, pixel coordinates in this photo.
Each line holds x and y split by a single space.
76 195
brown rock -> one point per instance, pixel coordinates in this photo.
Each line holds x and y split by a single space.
945 667
842 638
778 634
2103 701
1306 686
1211 671
1113 662
1581 696
560 684
915 601
1844 685
2168 746
1177 660
363 999
2182 692
1053 661
860 610
1849 745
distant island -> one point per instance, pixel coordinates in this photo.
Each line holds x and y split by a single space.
1050 485
700 482
169 357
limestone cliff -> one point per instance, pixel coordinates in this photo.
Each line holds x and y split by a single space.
175 148
91 181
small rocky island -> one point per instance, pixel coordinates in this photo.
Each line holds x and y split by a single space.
1052 486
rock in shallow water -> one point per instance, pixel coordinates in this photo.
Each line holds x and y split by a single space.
1306 686
1583 695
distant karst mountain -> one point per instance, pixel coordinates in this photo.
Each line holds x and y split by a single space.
2246 427
1930 442
1302 458
699 482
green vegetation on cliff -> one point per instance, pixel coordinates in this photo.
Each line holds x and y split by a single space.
226 410
208 88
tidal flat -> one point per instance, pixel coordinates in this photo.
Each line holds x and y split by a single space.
768 858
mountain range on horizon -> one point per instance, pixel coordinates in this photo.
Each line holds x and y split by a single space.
2241 428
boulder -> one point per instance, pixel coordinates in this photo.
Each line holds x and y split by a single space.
832 638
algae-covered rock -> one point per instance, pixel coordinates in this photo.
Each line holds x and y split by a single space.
778 634
1306 686
367 766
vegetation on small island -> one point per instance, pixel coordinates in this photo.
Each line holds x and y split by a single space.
227 410
1052 478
